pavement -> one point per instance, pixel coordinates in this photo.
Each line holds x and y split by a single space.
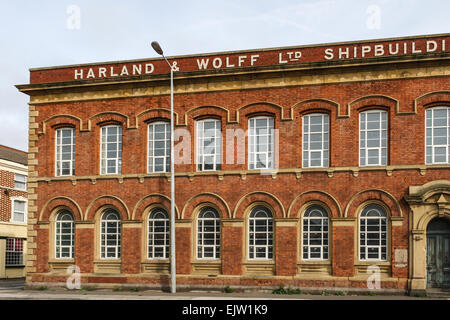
13 289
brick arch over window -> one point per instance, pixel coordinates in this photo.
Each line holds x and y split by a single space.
149 200
258 109
204 111
314 195
375 100
155 114
259 196
206 197
109 117
107 200
61 120
432 99
60 202
373 194
316 106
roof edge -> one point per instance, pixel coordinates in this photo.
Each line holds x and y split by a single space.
241 51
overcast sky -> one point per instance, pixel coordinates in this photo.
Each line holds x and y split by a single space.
48 33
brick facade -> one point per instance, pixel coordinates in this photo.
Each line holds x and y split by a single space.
7 183
405 91
12 162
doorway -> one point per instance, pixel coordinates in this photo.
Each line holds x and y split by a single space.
438 253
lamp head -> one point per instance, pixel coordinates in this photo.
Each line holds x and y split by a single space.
157 48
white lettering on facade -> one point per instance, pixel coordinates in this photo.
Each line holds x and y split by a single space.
112 74
229 65
413 50
364 50
344 54
124 71
292 56
202 64
253 59
241 60
434 44
149 68
90 74
102 72
217 63
78 73
357 51
379 50
137 69
392 52
329 55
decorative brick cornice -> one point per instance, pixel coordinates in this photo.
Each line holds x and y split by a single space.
298 172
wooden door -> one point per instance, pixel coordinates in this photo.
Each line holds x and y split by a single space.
438 254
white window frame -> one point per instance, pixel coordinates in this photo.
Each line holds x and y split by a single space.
58 234
13 209
200 142
16 180
104 159
364 149
324 140
203 224
269 145
151 147
151 234
115 236
429 139
58 152
269 234
363 229
14 251
324 238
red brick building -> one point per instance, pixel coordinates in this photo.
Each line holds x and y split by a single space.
344 170
13 212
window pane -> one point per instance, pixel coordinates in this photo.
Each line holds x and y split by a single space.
111 150
315 138
437 135
208 144
372 228
261 143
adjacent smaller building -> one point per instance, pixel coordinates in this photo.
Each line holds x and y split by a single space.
13 212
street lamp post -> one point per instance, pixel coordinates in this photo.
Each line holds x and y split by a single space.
173 288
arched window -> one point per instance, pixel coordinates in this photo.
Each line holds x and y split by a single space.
261 143
208 234
111 150
315 233
315 140
158 234
373 139
209 145
373 233
437 136
158 147
260 234
64 235
110 235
